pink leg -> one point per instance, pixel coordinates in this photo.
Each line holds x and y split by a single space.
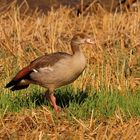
52 100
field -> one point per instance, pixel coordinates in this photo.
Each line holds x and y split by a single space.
102 104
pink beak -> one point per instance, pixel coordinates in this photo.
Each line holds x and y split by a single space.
89 41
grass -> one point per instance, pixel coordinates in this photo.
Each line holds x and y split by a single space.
103 103
80 103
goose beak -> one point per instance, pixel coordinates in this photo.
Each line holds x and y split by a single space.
89 41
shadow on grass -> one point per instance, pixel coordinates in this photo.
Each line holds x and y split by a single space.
64 97
34 97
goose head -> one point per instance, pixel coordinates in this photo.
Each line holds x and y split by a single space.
81 38
78 40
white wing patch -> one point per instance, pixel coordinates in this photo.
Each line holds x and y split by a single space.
34 70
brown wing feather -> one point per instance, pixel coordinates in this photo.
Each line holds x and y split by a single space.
20 75
48 60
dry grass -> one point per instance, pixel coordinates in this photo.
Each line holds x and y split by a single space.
39 124
113 60
113 63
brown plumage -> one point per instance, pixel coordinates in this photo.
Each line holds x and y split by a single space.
53 70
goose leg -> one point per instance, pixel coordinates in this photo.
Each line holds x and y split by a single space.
52 100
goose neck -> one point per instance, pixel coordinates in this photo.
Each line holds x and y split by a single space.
75 48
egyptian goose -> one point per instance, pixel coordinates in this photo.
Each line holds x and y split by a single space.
53 70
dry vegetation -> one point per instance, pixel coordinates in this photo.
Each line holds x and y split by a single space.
113 60
39 124
113 63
